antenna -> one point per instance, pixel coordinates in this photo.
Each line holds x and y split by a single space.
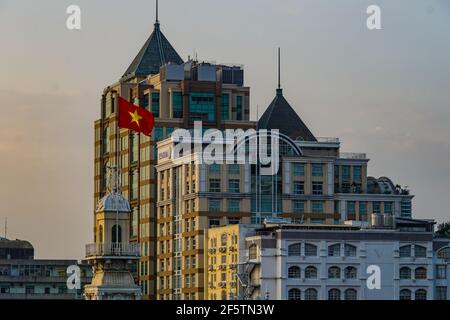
157 14
6 227
279 68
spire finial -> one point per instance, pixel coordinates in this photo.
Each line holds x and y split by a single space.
157 13
279 68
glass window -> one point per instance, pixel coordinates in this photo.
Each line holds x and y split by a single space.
420 294
345 173
294 272
376 207
177 105
299 187
310 294
134 222
441 271
349 250
334 250
334 273
420 273
202 107
317 170
334 294
158 134
294 294
317 187
405 294
405 273
420 252
214 205
239 108
234 169
337 206
357 173
253 252
295 249
388 207
225 107
134 146
317 206
299 169
350 294
405 252
155 104
350 273
214 185
234 205
441 293
310 250
351 207
311 272
298 206
214 168
234 185
362 208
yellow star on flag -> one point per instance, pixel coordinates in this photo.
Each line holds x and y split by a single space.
135 117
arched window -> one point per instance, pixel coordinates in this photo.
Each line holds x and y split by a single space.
294 272
311 272
310 250
405 251
420 273
405 294
405 273
310 294
223 239
100 234
444 253
349 250
294 294
420 252
420 294
334 250
350 294
253 252
334 294
334 273
295 249
116 231
350 273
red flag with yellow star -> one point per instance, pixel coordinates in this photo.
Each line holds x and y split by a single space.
135 118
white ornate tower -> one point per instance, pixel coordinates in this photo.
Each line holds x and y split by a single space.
112 254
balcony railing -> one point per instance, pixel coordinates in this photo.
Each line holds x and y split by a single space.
113 249
327 139
352 155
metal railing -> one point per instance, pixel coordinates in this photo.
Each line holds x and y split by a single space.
353 155
327 139
113 249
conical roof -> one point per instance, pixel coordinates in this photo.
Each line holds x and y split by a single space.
156 52
280 115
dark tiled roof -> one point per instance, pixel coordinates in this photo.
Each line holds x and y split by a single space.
280 115
156 52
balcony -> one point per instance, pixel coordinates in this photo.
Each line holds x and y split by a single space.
113 250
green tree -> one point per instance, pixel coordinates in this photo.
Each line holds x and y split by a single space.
443 230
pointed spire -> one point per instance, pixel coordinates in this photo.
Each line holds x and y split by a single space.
157 14
279 90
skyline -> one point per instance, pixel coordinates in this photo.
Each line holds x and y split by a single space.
342 79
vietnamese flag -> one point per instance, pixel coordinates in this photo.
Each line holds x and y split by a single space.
135 118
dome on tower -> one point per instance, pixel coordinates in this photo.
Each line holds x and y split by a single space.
113 202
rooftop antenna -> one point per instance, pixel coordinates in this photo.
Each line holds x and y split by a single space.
279 68
157 18
6 227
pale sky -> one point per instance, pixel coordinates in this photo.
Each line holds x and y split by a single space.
384 92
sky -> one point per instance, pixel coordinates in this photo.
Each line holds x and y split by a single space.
382 92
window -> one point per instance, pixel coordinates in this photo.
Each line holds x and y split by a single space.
346 173
299 187
202 107
214 185
239 108
225 107
350 273
351 207
405 252
234 220
295 249
155 104
376 207
334 294
317 187
214 222
299 206
405 273
214 168
317 170
253 252
405 294
350 294
441 293
420 252
294 272
299 169
362 208
4 290
337 206
177 105
116 234
310 294
294 294
311 272
234 169
334 250
441 271
234 205
214 205
357 173
444 253
420 294
317 206
310 250
388 207
334 272
134 147
420 273
349 250
234 185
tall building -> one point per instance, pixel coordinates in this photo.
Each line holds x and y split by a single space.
23 277
178 93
